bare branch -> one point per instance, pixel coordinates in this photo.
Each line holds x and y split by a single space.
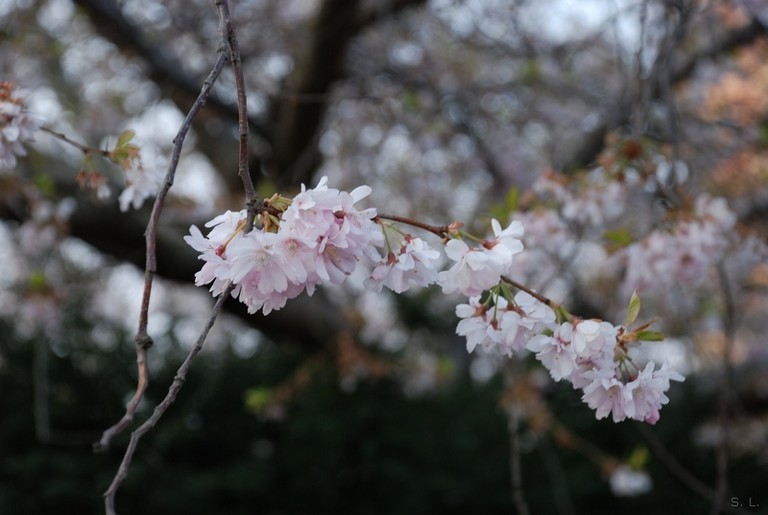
143 340
178 382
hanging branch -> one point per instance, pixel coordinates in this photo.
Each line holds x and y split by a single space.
170 397
143 340
85 149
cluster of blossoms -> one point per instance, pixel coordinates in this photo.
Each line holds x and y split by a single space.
319 236
684 253
592 355
16 126
596 203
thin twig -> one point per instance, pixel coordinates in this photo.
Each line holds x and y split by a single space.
729 323
516 473
440 230
85 149
538 296
178 382
564 437
42 389
560 492
143 340
228 33
679 471
513 427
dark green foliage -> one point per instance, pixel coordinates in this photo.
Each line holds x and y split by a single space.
369 450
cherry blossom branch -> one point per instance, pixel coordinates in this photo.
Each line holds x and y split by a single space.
444 231
85 149
538 296
173 390
228 33
143 340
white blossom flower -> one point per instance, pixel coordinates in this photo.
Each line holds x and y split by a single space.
217 268
480 268
585 339
542 315
17 126
522 320
478 324
604 393
555 352
627 482
140 183
412 265
507 242
639 399
319 239
342 234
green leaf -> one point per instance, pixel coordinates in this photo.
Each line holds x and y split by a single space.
500 213
45 184
619 237
446 368
258 399
411 101
531 71
650 336
562 314
634 309
513 199
125 137
639 458
37 281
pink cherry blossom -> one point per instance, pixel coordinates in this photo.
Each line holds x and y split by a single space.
526 317
342 234
140 183
555 352
480 268
320 238
217 268
640 398
585 339
478 324
412 265
17 126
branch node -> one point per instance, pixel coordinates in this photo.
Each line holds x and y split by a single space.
144 341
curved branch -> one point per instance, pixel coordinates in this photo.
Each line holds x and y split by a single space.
143 340
178 382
